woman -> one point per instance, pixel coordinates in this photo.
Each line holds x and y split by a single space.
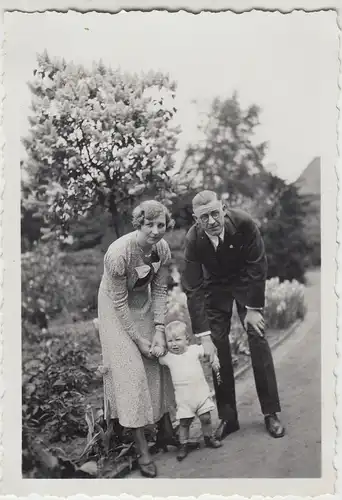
132 307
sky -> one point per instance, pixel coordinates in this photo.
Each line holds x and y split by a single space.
286 64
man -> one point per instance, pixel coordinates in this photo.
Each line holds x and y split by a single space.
225 260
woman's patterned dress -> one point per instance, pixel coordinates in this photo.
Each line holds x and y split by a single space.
132 297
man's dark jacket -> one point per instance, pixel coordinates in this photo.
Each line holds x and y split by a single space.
240 268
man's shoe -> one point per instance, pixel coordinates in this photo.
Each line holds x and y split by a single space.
212 442
182 452
274 426
226 428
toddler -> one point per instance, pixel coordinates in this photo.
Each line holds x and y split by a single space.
191 388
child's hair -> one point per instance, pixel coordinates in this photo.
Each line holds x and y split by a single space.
177 326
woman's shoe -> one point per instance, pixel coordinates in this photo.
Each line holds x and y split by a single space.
148 470
183 452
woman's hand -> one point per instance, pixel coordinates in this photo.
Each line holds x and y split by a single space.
158 346
144 347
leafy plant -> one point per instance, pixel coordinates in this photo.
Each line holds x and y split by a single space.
108 444
40 461
107 453
54 383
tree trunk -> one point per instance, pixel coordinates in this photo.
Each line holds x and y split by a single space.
116 218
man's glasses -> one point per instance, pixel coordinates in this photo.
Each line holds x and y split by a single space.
215 214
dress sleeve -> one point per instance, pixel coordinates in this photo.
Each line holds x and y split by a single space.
159 283
116 267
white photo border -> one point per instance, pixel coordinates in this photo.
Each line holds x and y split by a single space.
10 280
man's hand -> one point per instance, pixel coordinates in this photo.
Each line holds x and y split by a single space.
210 351
256 320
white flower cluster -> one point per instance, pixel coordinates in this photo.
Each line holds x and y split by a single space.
285 302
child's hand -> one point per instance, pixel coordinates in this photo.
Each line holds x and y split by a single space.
157 351
216 367
215 364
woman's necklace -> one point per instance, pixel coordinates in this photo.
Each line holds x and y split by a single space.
145 253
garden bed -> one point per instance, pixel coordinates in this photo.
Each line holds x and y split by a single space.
63 395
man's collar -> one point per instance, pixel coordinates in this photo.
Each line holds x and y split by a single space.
228 229
213 238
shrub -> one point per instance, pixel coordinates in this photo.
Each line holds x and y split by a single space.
176 239
87 268
48 285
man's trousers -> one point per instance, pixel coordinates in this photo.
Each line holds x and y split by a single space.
219 313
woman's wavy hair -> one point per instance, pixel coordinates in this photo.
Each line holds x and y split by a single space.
149 210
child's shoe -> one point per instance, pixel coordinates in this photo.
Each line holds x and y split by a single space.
212 442
182 452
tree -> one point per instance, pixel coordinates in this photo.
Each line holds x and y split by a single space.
98 138
227 160
283 229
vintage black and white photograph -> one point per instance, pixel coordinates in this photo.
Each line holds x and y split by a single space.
170 175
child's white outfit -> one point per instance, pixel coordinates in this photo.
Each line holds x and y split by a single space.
192 391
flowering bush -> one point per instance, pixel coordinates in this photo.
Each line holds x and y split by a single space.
98 137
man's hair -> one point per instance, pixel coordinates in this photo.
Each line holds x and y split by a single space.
203 197
176 326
